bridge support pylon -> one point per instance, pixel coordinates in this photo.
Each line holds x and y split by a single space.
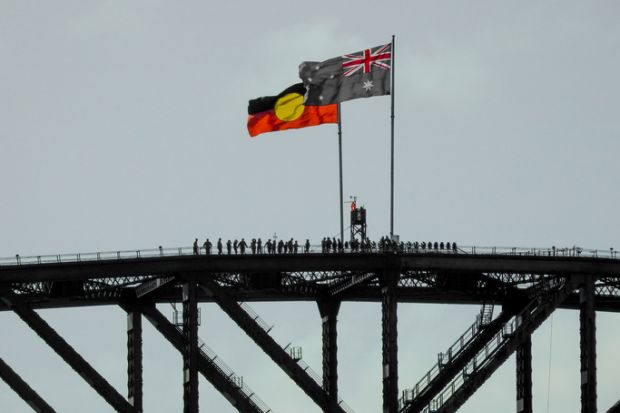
389 338
587 329
134 360
524 376
190 342
329 313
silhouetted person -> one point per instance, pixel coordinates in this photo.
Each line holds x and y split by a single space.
280 246
253 245
219 246
208 246
259 246
268 246
235 246
196 247
243 245
228 246
295 247
290 246
340 246
307 246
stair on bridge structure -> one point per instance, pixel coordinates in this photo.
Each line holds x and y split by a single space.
207 354
294 352
453 359
481 350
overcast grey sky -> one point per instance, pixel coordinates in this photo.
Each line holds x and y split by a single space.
122 126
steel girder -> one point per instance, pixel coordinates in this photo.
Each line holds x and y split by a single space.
544 305
221 381
134 360
69 355
329 317
587 330
524 376
270 347
23 390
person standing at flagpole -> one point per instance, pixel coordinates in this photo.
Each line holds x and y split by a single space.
356 75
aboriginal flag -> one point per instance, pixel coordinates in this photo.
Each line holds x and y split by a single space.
287 111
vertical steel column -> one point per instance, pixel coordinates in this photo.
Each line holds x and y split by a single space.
524 376
390 345
190 351
134 359
587 329
329 313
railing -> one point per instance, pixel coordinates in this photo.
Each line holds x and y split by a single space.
293 352
454 350
485 355
237 381
314 249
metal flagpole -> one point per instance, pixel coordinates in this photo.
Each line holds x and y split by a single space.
340 166
392 147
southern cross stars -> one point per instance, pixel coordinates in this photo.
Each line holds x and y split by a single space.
368 85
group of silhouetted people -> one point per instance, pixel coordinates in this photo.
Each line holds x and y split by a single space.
328 245
256 246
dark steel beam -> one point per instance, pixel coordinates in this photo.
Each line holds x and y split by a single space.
546 304
190 347
329 317
270 347
207 368
524 376
366 262
69 355
23 390
456 365
587 329
389 334
430 295
134 360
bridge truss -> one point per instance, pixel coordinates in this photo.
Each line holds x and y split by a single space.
517 291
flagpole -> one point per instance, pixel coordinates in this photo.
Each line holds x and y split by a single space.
392 146
340 167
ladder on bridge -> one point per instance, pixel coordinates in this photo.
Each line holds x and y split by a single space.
481 350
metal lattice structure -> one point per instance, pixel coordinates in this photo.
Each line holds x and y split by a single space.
526 284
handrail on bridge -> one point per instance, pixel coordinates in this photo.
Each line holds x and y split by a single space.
407 247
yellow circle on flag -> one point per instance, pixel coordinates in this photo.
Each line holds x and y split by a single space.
289 107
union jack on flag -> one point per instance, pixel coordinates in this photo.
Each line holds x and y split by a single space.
367 59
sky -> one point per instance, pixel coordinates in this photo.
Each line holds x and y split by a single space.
123 126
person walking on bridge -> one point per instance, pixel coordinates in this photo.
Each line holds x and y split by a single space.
196 247
228 246
219 246
242 246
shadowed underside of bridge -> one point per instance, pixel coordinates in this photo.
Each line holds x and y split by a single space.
516 295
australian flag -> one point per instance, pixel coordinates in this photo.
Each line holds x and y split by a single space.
356 75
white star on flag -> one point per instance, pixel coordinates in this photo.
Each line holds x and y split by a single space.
368 85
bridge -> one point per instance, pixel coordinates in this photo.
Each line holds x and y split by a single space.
517 290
